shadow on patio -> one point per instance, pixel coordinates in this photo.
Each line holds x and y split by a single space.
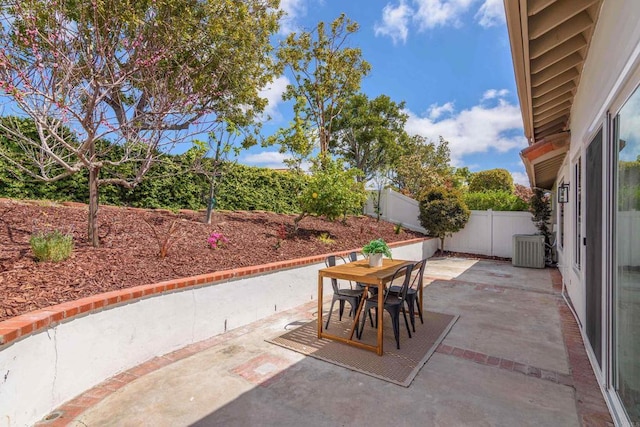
514 357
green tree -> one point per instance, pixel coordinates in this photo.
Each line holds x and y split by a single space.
491 180
367 133
442 213
331 191
422 166
325 73
145 75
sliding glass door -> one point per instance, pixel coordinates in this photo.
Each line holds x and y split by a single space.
626 286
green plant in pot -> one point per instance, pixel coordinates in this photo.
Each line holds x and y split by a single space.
374 250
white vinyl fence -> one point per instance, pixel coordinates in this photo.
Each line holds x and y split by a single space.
487 232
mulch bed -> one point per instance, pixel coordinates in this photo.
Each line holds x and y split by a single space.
130 240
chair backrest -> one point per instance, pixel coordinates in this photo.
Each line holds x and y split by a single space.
353 256
330 261
402 271
419 266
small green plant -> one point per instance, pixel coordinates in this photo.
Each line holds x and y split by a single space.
325 238
377 246
397 228
51 246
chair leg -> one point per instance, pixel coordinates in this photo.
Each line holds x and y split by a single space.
419 311
412 314
395 321
404 313
333 301
341 309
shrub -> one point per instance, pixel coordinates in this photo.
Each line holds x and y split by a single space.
331 191
498 200
541 210
490 180
442 213
51 246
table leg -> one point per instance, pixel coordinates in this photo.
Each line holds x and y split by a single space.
365 293
319 306
380 317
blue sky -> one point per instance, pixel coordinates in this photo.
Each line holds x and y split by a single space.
449 60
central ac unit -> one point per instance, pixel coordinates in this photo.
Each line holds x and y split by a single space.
528 250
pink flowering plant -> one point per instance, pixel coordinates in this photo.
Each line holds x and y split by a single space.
217 240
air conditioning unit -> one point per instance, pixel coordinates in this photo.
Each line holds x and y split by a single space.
528 250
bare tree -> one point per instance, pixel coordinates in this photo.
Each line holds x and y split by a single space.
129 79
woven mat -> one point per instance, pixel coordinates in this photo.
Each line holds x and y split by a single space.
396 366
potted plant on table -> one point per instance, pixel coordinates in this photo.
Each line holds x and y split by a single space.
374 250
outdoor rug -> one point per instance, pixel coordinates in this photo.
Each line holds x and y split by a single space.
396 366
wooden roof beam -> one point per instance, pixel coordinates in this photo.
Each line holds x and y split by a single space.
543 99
556 69
555 82
555 15
557 36
551 131
572 45
537 122
536 6
564 107
550 125
567 96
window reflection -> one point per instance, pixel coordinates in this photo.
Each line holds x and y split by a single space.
627 284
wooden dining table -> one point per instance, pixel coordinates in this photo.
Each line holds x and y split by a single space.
360 272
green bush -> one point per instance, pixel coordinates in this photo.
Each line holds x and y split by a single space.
491 180
497 200
442 213
51 246
331 191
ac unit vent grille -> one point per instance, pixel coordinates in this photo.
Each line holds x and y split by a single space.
528 250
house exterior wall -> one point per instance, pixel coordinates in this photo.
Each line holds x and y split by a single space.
607 78
611 74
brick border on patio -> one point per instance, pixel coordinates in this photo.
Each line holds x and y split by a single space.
590 404
29 323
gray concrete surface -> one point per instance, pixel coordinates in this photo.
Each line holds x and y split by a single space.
504 312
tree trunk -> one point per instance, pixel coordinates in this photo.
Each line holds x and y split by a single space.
442 246
211 204
94 173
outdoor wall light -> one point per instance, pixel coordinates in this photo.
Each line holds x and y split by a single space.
563 193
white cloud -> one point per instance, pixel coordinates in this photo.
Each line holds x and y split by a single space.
395 22
292 9
266 159
494 93
520 178
475 130
273 93
435 110
491 13
398 20
434 13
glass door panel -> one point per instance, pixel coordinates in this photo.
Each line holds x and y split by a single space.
626 290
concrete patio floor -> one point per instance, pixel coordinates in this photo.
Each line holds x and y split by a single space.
514 357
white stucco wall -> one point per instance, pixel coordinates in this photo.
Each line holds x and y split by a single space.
44 370
609 76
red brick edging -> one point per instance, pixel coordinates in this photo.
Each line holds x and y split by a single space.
29 323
